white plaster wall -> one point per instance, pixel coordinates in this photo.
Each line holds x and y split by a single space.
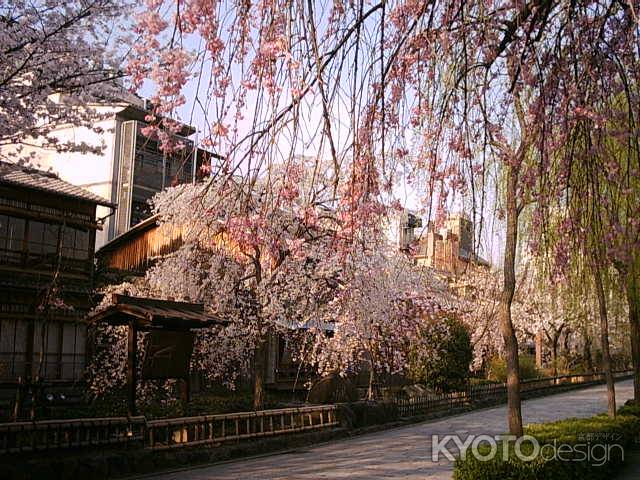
91 171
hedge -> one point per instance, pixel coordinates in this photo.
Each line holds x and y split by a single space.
630 408
584 436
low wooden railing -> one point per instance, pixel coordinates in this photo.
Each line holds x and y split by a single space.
491 393
163 434
431 402
211 429
54 434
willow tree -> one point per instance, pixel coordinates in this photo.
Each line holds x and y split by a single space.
604 193
596 200
619 184
574 235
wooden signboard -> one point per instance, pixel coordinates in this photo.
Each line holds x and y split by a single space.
167 354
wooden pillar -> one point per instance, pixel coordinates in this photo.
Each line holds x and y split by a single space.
539 346
59 357
186 389
29 347
132 349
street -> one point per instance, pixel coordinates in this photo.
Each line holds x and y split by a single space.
403 452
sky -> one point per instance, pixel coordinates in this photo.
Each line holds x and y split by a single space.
199 111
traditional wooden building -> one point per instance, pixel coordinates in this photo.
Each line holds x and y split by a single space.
132 253
47 238
130 168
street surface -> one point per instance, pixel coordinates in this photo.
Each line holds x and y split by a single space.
402 452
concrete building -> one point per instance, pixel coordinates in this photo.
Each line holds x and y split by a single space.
449 249
403 229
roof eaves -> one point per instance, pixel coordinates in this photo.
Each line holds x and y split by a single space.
33 179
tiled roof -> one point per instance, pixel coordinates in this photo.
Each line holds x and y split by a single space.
27 177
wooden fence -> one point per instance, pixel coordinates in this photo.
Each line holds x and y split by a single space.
213 429
492 393
163 434
55 434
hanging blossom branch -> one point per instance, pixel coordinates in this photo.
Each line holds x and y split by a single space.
275 80
429 94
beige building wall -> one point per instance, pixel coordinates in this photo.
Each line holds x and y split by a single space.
448 249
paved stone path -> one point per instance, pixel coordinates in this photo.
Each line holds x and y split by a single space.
403 452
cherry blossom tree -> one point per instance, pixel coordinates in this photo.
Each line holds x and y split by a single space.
478 291
55 57
429 94
548 312
276 260
287 277
383 306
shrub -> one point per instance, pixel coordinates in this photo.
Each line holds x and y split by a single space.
448 371
580 434
498 369
528 368
367 413
630 408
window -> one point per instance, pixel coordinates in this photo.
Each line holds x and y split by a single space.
50 238
62 343
75 243
82 244
149 164
179 170
13 348
43 238
46 339
140 210
11 232
74 337
11 239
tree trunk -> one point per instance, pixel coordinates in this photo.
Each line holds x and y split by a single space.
586 350
604 339
17 407
258 375
370 392
555 341
633 299
539 349
514 414
132 368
